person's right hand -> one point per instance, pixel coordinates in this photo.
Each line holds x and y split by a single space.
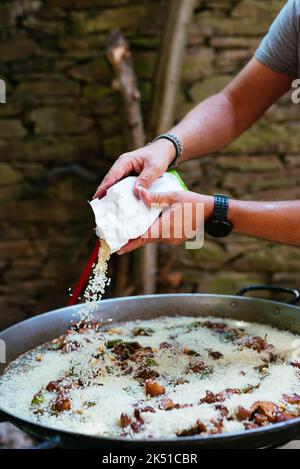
149 162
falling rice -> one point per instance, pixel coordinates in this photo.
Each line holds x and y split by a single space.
97 284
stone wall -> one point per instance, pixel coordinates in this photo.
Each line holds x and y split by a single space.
62 127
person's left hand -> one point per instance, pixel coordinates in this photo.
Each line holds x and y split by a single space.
181 219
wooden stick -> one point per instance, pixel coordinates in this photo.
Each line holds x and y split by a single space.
119 55
168 73
166 82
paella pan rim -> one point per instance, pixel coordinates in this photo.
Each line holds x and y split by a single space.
221 438
277 430
234 299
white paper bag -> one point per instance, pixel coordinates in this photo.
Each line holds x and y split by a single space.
121 216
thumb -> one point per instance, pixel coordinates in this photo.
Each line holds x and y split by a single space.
166 198
145 179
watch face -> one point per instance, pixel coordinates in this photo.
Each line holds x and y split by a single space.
218 229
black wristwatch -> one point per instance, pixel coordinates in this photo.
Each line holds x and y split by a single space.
218 225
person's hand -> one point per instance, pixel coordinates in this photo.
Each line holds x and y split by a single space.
181 218
150 162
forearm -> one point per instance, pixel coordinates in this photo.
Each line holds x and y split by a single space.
209 127
220 119
274 221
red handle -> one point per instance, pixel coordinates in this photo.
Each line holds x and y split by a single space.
83 280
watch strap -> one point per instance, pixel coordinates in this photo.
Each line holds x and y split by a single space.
218 225
221 207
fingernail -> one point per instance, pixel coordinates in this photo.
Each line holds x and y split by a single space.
120 252
140 188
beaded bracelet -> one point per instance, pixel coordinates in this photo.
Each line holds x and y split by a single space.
177 144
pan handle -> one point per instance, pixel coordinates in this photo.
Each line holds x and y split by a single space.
272 288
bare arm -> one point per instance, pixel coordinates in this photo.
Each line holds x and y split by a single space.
272 221
220 119
210 126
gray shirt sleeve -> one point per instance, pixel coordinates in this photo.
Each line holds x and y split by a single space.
279 50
